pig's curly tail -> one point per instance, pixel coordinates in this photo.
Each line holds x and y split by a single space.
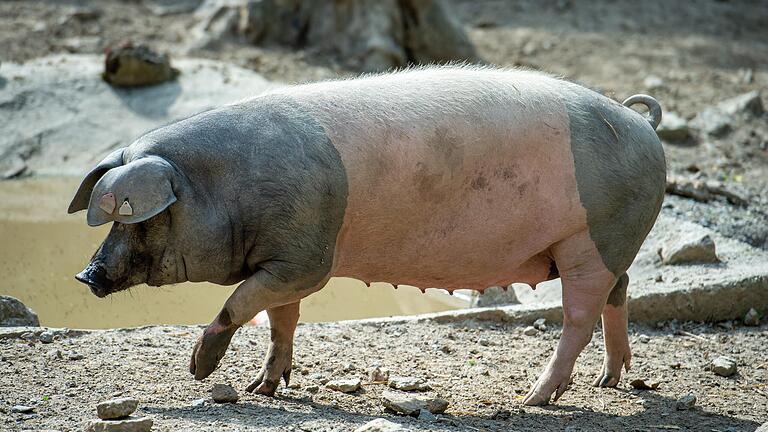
654 109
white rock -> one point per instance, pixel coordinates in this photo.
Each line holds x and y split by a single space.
410 404
344 385
143 424
752 318
116 408
379 374
689 247
381 425
530 331
652 82
673 128
686 402
408 384
724 366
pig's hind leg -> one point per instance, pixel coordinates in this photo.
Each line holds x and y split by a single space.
279 357
586 286
616 336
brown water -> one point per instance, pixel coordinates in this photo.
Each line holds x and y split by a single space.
41 249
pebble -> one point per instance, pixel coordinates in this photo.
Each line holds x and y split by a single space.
410 404
530 331
379 374
46 337
312 388
425 415
344 385
686 402
23 409
724 366
652 82
128 425
483 342
116 408
75 356
540 324
381 425
408 384
644 384
319 377
644 338
752 318
224 393
198 402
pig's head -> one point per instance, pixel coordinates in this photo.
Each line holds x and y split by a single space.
159 233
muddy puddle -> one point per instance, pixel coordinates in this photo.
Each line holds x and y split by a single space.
41 248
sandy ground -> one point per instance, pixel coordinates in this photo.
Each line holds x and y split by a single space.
483 369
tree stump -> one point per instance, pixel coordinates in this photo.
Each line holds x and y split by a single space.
366 35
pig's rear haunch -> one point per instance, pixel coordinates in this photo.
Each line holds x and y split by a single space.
448 177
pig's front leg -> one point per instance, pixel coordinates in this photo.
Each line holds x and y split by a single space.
277 362
261 291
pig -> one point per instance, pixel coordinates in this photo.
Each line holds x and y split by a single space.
449 177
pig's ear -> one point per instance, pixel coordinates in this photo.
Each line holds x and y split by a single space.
83 194
133 192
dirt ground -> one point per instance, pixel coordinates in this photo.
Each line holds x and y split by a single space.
482 369
704 51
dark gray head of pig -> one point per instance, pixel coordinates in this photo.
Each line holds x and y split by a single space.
155 238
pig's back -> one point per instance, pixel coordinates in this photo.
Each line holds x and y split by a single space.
457 177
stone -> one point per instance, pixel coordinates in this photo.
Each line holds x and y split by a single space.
530 331
224 393
22 409
653 82
712 122
540 324
15 166
748 103
410 404
378 374
312 388
425 415
495 296
644 338
763 428
644 384
724 366
689 248
171 7
408 384
686 402
673 128
143 424
116 408
72 355
752 318
132 66
381 425
13 313
344 385
46 337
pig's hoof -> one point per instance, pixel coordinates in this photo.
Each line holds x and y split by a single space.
545 386
611 373
276 365
208 351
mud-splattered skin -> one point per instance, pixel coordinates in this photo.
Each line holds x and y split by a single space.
447 177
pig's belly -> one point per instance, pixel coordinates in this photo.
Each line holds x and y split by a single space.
460 213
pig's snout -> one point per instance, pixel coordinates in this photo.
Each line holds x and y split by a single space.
95 276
